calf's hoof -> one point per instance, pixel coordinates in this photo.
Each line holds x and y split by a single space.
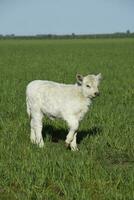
41 144
74 148
67 145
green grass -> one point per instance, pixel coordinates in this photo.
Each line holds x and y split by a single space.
104 166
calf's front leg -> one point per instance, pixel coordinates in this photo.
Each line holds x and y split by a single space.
71 137
73 144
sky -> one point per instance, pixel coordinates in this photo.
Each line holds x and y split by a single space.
31 17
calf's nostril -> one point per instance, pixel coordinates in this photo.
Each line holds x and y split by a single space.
97 93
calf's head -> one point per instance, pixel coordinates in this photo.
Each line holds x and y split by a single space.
89 84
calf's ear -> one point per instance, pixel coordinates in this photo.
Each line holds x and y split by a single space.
79 78
99 77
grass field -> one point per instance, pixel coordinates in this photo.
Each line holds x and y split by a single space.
103 169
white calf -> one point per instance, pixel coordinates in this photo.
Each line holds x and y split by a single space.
69 102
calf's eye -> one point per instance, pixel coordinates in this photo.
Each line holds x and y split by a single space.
88 86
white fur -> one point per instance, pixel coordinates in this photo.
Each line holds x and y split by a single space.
69 102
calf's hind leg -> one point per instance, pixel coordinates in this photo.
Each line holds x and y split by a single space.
36 129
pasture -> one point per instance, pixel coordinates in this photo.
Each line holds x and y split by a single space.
104 166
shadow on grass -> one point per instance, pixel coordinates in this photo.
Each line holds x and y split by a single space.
60 133
117 158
